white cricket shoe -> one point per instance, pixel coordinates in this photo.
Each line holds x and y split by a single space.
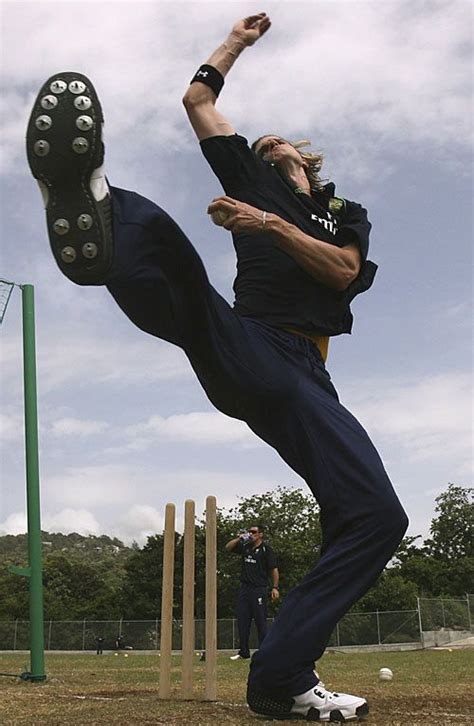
319 704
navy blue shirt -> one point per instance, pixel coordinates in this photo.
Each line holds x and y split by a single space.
257 563
270 285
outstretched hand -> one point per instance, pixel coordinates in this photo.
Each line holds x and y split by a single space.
250 29
237 216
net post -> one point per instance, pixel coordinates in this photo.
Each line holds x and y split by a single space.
33 487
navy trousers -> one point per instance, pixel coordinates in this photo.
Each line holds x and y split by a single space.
277 383
251 605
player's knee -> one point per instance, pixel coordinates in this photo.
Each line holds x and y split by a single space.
392 520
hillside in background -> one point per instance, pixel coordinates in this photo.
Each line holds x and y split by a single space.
14 548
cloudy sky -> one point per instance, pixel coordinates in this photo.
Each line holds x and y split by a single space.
385 90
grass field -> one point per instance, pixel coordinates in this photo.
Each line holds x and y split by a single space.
429 687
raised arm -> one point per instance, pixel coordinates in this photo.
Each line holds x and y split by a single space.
200 98
232 544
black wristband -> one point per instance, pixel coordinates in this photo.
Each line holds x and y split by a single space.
211 77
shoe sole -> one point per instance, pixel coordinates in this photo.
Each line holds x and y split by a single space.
64 146
265 705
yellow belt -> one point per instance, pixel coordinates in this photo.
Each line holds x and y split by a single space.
320 341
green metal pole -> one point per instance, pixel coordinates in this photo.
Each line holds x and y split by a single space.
33 487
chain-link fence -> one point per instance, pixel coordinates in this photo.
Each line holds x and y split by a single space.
450 618
354 629
446 614
379 628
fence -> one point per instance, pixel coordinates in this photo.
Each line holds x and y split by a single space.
375 628
452 614
444 620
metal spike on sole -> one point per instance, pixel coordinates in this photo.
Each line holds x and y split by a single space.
61 226
68 254
80 145
41 148
48 102
82 103
84 123
77 87
58 86
84 221
89 250
43 122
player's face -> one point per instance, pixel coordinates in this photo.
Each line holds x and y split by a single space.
276 149
256 534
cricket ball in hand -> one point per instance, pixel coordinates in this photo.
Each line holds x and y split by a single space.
385 674
219 217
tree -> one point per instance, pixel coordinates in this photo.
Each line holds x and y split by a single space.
444 564
390 592
452 531
141 589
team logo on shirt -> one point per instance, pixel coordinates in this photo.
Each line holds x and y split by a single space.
330 223
336 204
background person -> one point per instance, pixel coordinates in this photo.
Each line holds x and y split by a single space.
120 642
258 563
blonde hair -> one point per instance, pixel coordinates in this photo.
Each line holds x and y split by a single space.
314 161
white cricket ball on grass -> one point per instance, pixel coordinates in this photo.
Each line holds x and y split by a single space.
385 674
219 217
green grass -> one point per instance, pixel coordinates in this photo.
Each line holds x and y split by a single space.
429 687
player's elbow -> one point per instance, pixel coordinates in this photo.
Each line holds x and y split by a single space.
197 95
346 275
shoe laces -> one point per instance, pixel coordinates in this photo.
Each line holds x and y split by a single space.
323 693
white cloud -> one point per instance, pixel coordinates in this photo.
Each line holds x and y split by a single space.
11 427
91 358
400 74
458 315
77 427
89 486
429 418
197 427
129 501
66 520
15 523
140 522
71 520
